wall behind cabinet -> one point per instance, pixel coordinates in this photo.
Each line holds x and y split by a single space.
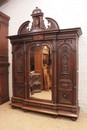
68 14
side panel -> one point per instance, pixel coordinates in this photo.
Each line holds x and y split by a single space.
18 71
65 72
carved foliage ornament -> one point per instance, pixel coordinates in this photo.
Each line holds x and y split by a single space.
19 58
38 23
65 55
19 61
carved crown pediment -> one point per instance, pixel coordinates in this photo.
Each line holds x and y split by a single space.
38 23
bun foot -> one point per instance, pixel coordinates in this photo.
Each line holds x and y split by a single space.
25 110
54 116
73 118
13 107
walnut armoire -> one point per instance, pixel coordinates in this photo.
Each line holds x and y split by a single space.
54 68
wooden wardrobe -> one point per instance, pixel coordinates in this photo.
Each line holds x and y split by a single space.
4 92
62 62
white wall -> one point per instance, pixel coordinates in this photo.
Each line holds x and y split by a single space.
68 14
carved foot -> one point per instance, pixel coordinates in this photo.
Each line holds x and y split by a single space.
54 116
13 107
73 118
25 110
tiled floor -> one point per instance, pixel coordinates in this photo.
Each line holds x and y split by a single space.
16 119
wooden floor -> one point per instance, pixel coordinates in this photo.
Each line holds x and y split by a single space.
16 119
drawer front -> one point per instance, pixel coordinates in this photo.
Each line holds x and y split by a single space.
65 84
65 97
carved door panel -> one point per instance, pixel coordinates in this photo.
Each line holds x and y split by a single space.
65 73
18 70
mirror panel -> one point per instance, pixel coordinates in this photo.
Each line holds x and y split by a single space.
40 75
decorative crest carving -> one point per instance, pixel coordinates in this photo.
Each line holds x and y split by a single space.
38 23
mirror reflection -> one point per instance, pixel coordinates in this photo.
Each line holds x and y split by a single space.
40 76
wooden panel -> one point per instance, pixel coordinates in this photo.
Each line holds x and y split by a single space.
18 69
38 37
3 40
19 91
65 61
65 97
4 94
65 72
4 89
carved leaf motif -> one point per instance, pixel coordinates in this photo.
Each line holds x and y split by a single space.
19 64
19 60
65 59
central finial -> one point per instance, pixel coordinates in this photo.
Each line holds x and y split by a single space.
36 11
38 23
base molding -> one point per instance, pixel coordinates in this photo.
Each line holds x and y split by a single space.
3 100
46 107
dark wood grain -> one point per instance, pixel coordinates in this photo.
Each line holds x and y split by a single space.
4 94
64 45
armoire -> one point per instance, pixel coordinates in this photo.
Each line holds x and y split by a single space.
45 67
4 64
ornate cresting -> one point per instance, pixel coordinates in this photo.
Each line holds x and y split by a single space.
38 23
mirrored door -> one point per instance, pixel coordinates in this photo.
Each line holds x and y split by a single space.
40 75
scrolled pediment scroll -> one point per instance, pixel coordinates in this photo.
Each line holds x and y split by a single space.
24 28
52 24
